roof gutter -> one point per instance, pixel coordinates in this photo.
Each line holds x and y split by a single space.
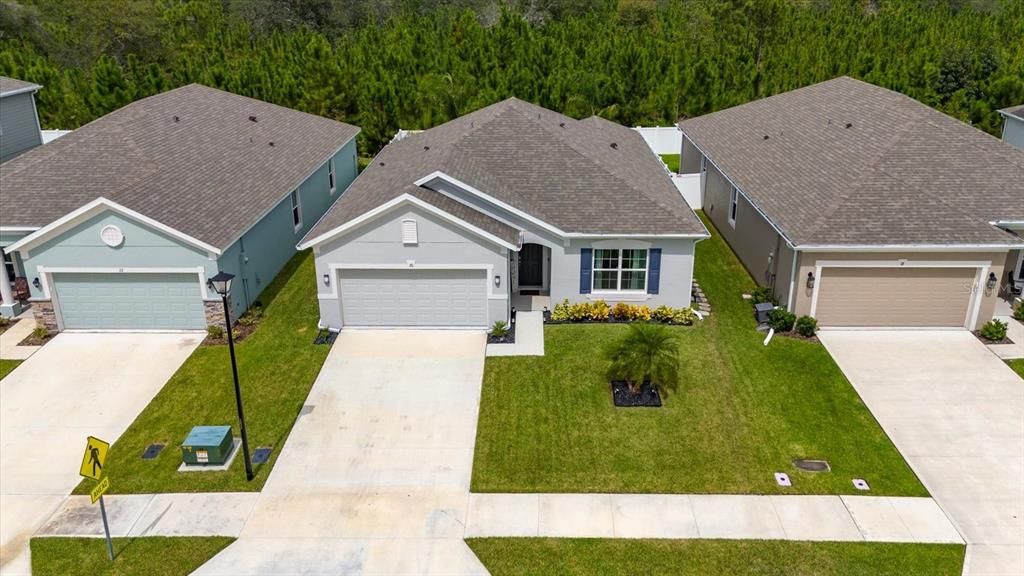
16 91
908 247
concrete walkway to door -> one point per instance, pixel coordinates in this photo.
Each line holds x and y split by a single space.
75 386
374 477
956 413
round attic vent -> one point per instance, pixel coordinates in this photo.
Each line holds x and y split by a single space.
112 236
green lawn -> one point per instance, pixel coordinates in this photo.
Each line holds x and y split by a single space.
522 556
6 366
277 365
672 161
152 556
743 411
1017 365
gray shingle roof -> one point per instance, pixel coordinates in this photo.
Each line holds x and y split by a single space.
846 162
8 85
189 158
562 171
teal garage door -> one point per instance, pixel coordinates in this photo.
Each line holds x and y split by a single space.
129 301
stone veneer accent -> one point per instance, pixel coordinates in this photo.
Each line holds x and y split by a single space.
214 310
45 316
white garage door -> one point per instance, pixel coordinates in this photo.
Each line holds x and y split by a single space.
895 297
414 298
129 301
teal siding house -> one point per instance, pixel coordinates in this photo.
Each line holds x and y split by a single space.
119 224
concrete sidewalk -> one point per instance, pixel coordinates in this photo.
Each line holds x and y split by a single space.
678 516
202 514
9 340
529 337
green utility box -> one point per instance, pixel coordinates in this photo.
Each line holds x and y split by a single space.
207 446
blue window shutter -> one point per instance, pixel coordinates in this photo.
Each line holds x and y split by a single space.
654 271
586 269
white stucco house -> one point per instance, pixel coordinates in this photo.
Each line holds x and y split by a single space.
511 205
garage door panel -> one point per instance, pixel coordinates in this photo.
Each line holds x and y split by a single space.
894 297
129 301
413 297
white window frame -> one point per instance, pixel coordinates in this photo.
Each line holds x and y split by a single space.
734 205
296 204
1019 270
619 270
331 176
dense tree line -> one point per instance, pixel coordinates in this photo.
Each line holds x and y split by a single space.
417 63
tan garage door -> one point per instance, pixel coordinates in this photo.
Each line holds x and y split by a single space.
894 297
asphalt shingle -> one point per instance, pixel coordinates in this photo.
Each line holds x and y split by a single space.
203 161
849 163
587 176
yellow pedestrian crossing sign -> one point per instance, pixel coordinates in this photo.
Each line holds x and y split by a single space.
100 489
94 458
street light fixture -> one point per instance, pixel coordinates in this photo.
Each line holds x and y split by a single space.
221 284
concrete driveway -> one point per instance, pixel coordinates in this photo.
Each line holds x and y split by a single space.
374 477
956 413
75 386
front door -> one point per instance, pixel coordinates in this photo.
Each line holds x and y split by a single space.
531 266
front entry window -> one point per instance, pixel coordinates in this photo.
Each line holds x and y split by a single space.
620 270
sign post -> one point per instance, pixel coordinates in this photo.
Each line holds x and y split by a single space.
92 467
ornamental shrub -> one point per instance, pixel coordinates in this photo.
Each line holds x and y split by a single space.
781 319
648 352
214 331
561 311
683 316
994 330
500 329
1018 311
761 295
806 326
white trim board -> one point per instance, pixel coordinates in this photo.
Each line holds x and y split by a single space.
908 247
973 308
551 228
395 203
335 268
45 270
97 206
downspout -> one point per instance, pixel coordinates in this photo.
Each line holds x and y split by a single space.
792 281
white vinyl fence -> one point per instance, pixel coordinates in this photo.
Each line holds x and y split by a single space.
669 140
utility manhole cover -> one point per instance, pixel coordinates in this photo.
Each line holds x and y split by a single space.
261 455
151 451
812 465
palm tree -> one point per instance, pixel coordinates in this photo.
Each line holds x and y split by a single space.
648 352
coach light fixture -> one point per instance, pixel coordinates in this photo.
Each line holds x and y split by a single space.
810 280
992 280
327 279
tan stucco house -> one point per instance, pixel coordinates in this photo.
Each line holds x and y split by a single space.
863 207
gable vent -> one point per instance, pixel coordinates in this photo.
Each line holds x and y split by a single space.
409 232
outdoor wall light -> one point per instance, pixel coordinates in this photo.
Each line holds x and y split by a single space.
327 279
37 284
497 280
992 281
810 280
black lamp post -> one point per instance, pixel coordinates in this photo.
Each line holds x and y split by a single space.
221 284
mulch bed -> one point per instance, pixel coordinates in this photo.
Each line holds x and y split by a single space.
798 336
1006 340
509 338
31 340
8 326
647 397
242 331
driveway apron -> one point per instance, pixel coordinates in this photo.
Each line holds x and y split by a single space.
374 477
75 386
956 413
